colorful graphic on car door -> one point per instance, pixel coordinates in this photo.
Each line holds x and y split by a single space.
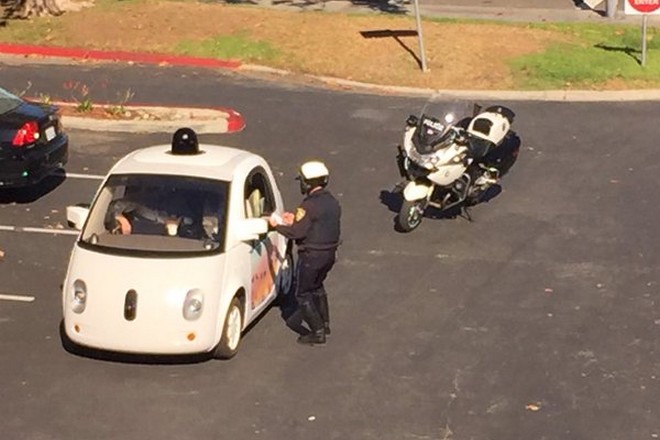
265 265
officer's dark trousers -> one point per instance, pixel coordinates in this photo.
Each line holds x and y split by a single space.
312 269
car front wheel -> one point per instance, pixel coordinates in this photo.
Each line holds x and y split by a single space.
231 332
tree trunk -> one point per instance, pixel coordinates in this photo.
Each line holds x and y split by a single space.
37 8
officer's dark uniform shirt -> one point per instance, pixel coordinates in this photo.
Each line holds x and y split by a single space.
317 222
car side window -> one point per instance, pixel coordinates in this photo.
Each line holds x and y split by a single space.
259 200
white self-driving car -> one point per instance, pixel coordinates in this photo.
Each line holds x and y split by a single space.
174 255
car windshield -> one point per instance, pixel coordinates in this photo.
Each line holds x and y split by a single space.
158 214
8 101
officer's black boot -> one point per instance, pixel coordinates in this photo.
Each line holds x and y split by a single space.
322 306
312 317
294 321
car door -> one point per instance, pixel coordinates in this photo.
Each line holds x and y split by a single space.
259 201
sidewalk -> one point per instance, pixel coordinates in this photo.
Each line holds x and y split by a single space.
499 10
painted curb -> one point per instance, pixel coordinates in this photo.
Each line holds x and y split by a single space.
115 55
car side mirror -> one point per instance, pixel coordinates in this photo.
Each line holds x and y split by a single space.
76 216
251 228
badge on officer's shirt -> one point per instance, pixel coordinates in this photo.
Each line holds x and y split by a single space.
300 213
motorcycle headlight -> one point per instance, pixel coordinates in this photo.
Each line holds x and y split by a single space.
79 296
429 161
193 305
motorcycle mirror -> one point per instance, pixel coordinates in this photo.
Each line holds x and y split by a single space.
412 120
449 118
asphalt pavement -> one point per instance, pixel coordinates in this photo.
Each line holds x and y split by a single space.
538 320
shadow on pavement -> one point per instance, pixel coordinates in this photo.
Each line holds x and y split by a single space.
107 356
391 6
32 193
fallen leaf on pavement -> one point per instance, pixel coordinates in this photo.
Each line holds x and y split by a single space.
532 407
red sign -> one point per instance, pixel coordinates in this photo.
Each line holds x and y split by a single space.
644 6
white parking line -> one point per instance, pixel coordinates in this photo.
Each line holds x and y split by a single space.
21 298
38 230
83 176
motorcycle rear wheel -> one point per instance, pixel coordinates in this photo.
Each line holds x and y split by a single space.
410 215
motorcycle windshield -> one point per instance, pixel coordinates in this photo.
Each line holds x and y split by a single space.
432 136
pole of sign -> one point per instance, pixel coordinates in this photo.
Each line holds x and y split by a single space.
420 37
610 8
644 25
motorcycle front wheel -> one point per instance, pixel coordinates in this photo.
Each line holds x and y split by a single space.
410 215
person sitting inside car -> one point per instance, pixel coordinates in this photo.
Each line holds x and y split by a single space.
157 211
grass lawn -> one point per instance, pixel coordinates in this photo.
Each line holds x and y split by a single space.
373 48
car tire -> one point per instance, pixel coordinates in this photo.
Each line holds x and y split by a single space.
410 215
286 278
231 332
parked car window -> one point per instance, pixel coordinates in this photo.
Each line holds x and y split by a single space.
8 101
158 214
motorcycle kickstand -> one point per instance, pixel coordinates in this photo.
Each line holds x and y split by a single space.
399 186
465 213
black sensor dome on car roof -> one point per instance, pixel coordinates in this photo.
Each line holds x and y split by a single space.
184 142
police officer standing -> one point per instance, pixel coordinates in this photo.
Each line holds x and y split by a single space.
315 228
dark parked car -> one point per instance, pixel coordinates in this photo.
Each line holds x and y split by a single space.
32 142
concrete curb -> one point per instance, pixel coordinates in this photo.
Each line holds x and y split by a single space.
154 119
502 95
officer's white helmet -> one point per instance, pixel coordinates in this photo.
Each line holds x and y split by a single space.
313 174
313 170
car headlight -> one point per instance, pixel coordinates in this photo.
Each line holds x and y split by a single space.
79 296
193 305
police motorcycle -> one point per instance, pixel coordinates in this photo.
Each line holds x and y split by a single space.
449 164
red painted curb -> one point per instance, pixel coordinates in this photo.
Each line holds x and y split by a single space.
116 55
235 121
